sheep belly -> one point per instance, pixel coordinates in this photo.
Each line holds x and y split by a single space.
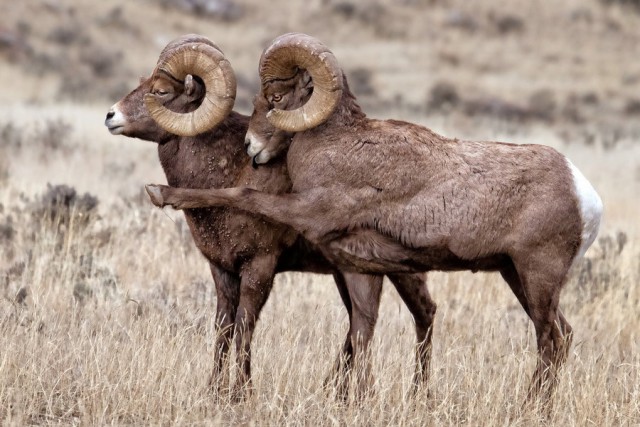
365 250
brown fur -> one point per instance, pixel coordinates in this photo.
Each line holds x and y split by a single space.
244 250
385 196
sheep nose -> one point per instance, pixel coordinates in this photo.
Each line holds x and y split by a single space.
247 141
110 114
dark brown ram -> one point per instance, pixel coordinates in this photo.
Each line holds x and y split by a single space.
186 107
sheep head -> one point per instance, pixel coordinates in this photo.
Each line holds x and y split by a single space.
302 85
191 90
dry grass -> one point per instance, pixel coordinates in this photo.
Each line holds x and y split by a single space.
106 319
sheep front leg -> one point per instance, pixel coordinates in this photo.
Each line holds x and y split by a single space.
313 214
255 287
338 378
228 295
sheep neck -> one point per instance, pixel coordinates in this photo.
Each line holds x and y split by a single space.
211 160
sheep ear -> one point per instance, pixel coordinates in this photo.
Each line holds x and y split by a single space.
307 81
189 85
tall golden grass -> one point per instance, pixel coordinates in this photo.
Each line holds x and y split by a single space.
116 324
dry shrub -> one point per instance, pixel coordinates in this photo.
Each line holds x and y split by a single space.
598 274
375 14
456 18
507 24
360 82
542 104
632 107
116 20
103 62
14 45
223 10
61 204
97 72
11 274
498 108
66 35
11 142
633 4
58 226
4 170
93 279
68 52
11 137
443 96
7 229
53 136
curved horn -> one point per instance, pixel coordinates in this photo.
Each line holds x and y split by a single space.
184 39
208 63
282 59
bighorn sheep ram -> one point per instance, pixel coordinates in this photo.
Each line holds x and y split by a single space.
386 196
185 106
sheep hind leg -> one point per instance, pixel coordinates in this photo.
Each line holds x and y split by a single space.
338 378
415 294
364 292
255 287
228 294
542 277
511 276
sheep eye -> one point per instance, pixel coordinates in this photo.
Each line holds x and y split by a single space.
276 98
160 92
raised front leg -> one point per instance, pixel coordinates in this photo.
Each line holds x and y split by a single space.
256 283
228 295
313 214
415 294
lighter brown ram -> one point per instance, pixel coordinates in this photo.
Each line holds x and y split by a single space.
386 196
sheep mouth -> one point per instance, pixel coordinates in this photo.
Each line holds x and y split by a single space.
116 130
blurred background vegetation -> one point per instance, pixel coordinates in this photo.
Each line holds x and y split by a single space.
568 64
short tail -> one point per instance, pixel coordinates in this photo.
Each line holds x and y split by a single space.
591 207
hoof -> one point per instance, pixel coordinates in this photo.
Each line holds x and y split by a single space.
155 194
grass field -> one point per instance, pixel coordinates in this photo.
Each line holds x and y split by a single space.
105 309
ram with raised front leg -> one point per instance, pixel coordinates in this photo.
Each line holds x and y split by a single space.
386 196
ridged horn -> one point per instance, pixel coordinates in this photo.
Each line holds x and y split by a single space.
184 39
208 63
282 59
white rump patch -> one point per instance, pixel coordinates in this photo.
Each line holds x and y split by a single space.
590 209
